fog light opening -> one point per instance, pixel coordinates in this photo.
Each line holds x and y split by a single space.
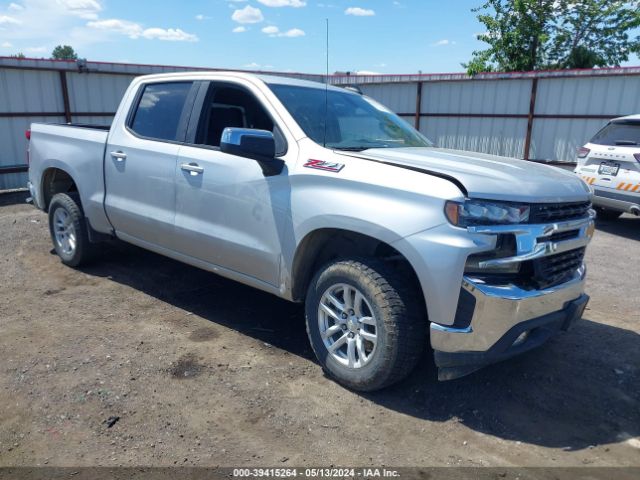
521 338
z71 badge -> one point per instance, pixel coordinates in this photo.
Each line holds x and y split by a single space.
322 165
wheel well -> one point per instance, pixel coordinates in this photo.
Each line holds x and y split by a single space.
322 246
55 180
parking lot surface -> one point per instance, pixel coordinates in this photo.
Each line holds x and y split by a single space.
141 360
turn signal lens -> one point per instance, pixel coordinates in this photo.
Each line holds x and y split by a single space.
452 211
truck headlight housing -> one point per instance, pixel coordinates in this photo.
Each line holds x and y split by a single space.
505 247
485 212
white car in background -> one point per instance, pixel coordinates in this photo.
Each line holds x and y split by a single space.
610 164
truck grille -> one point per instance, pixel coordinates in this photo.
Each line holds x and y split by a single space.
557 269
557 212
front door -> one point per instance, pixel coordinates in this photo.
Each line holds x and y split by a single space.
227 212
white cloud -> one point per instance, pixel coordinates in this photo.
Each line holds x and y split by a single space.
240 29
35 49
51 22
7 20
6 45
359 12
294 32
201 17
123 27
87 9
443 42
252 65
284 3
169 34
135 30
247 14
274 31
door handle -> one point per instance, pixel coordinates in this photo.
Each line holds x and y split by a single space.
119 156
192 168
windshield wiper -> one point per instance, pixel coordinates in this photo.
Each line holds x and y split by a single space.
351 149
626 142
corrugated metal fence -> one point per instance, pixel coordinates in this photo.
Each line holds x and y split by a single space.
534 115
541 116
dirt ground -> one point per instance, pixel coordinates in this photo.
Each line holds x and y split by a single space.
198 370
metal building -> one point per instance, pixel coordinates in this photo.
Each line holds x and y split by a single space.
539 116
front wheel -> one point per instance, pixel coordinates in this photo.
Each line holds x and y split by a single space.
365 325
68 229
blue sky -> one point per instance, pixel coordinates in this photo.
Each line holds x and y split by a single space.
385 36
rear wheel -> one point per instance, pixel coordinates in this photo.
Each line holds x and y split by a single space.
68 229
606 214
364 323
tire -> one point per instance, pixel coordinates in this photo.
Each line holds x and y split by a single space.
68 229
386 305
606 214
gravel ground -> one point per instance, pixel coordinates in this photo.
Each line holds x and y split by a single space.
140 360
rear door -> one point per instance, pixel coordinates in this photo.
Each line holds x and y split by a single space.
228 213
140 163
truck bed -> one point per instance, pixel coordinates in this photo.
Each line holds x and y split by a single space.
77 149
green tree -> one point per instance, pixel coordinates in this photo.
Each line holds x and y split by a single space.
594 33
541 34
517 35
64 52
18 55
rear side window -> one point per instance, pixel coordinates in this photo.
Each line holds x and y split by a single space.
619 133
159 110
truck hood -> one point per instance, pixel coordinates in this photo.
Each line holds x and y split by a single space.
488 176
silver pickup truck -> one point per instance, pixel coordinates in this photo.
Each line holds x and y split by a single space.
321 195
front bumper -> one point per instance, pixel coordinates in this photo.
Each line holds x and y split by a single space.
506 321
497 321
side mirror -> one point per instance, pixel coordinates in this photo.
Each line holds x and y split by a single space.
258 145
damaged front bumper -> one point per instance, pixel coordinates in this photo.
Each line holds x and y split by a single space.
507 321
504 320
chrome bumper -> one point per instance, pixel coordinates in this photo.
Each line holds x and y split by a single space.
503 316
499 308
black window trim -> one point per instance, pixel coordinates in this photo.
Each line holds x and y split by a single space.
197 112
185 115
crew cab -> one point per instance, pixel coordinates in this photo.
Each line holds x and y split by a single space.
610 164
321 195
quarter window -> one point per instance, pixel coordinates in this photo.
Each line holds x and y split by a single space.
159 110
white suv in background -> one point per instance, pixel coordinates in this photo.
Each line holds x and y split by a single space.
610 164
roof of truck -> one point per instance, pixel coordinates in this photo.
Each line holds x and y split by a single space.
268 79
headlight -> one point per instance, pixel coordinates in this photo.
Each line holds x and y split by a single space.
485 212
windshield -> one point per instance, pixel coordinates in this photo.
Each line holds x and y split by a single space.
354 122
619 133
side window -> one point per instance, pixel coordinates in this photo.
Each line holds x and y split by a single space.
159 110
228 106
